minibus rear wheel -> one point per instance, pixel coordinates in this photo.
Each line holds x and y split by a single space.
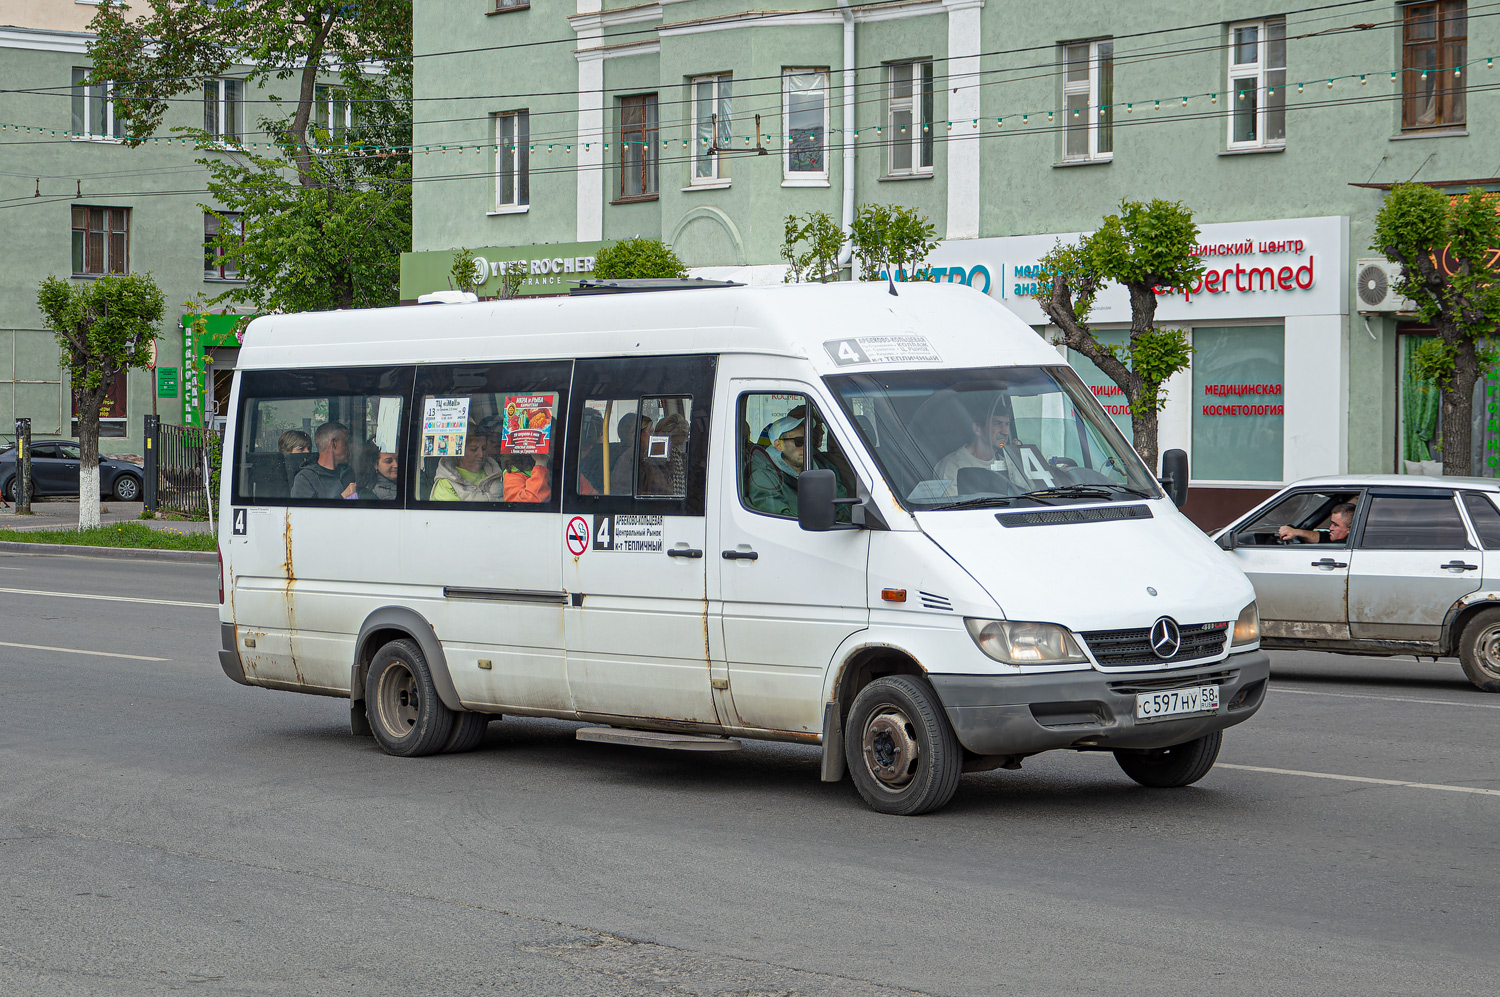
901 751
406 715
1167 768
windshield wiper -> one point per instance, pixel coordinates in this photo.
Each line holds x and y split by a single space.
992 500
1100 490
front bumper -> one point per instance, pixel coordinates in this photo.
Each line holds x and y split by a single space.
1025 714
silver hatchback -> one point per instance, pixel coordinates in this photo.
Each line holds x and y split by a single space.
1378 564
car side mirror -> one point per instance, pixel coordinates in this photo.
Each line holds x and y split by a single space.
1174 476
816 511
1228 541
102 458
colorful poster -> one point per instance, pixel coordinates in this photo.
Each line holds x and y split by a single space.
445 423
528 424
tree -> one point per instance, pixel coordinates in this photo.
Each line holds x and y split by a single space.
325 209
820 260
891 238
103 326
1146 247
1447 249
636 259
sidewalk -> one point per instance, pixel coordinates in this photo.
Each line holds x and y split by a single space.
62 514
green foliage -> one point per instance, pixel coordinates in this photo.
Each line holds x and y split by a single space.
1415 224
1435 360
103 326
1074 267
132 534
637 259
891 238
461 275
1154 356
820 261
1147 243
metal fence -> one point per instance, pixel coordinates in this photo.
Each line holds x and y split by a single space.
179 467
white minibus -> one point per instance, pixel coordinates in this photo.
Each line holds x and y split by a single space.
888 521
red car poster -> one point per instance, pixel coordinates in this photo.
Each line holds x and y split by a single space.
528 424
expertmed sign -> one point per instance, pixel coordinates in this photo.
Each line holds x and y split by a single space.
1258 269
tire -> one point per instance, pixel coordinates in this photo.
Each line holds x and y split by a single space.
1479 650
406 715
901 751
1167 768
468 732
128 488
12 489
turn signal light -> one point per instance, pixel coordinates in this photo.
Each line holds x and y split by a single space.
893 595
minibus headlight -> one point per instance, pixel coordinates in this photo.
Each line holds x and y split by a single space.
1247 627
1025 643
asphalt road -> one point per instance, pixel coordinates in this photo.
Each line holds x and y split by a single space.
163 829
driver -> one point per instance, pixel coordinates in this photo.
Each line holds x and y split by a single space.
1340 518
993 447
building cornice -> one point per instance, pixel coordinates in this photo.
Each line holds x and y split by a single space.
751 19
916 8
40 40
618 51
600 20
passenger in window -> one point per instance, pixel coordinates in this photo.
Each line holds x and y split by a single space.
1340 519
771 473
329 476
474 477
673 480
380 485
634 431
295 448
591 453
524 477
294 441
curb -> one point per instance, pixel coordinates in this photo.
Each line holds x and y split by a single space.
115 553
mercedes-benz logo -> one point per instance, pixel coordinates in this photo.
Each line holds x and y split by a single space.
1166 638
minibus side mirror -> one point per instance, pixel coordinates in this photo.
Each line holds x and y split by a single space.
816 511
1174 475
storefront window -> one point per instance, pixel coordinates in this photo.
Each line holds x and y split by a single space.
1420 416
1238 413
1110 394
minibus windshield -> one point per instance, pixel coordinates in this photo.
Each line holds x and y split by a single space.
993 436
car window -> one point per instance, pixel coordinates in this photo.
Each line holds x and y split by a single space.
1485 517
43 450
69 452
1300 510
1414 521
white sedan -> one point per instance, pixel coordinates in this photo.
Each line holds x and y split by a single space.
1404 571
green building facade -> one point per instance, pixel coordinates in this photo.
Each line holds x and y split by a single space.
75 201
1009 126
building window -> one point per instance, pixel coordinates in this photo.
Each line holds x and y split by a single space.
909 120
231 226
502 6
512 160
94 108
1238 404
1257 84
333 112
805 108
222 103
1088 96
711 123
638 150
101 240
1435 44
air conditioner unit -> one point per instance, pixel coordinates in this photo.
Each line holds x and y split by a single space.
1375 287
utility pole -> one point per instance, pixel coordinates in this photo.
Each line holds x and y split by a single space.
23 467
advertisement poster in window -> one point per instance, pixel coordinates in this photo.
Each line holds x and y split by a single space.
528 424
445 423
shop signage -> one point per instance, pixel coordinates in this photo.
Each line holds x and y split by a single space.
1257 269
545 269
166 382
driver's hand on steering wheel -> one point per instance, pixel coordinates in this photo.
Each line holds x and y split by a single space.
1291 535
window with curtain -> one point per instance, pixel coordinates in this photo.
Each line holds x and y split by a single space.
806 111
1435 45
638 148
1420 413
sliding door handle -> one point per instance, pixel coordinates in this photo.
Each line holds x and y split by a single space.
740 555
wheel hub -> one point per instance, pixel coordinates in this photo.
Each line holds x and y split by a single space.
1489 650
398 701
890 748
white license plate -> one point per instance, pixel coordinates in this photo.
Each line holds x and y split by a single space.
1160 705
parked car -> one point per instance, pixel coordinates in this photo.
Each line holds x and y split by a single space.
1410 574
54 471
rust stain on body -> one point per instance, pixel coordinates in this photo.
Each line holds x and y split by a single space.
287 597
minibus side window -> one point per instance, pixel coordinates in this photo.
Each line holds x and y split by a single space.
321 437
644 442
781 435
486 435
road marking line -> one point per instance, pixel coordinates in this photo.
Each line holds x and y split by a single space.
111 598
1389 699
1361 778
74 650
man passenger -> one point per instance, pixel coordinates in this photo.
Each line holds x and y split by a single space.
993 448
329 476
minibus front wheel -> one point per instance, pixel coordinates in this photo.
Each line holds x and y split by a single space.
1168 768
901 750
406 715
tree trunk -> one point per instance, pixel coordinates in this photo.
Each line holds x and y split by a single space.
89 404
307 90
1458 407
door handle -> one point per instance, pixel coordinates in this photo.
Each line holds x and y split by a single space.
684 552
740 555
1460 564
1329 562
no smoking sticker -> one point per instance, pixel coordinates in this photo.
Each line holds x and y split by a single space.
577 535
